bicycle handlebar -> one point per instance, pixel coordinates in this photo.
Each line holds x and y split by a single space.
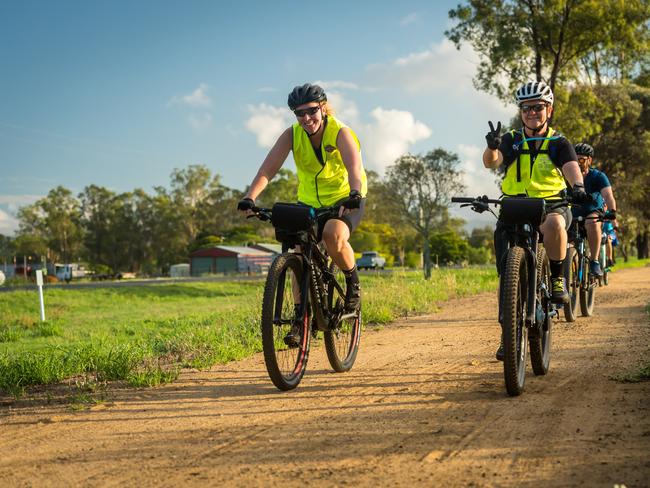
265 214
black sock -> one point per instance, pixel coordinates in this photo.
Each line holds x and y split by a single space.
556 268
351 275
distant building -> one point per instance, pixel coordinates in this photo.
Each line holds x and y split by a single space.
180 270
229 259
272 247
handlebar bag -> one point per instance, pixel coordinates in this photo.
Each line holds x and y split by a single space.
523 211
292 217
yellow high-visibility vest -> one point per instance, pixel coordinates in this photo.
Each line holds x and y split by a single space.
538 178
323 184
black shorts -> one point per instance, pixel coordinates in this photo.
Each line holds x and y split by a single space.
566 213
352 219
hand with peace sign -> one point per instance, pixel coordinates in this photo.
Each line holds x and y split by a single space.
493 137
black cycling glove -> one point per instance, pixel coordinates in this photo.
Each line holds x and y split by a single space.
493 137
246 204
610 215
579 195
353 201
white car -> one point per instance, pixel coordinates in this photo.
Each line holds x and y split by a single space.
371 260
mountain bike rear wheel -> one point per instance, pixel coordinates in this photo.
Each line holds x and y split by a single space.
515 332
285 337
587 288
571 267
341 343
540 338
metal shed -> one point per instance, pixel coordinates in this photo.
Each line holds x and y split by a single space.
229 259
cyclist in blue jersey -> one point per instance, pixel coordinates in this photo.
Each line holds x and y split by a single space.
610 230
598 186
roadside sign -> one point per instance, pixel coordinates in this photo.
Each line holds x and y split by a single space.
39 283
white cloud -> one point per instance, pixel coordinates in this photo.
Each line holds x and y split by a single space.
8 223
440 66
478 179
409 19
198 98
267 122
345 110
337 84
200 122
389 136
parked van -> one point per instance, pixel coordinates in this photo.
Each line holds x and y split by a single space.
68 272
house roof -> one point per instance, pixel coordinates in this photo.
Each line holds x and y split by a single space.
228 251
273 247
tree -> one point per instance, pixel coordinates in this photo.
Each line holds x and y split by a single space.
7 248
420 189
615 120
54 219
449 247
552 40
98 220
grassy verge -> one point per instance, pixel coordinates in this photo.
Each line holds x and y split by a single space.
632 262
144 335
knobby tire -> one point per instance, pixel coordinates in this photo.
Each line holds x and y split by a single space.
342 343
285 364
514 296
539 339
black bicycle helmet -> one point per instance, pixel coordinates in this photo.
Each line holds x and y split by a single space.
305 94
584 149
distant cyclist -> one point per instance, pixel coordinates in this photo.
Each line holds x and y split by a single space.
330 172
598 186
610 231
536 161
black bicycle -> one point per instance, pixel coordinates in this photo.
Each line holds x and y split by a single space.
304 294
580 282
525 308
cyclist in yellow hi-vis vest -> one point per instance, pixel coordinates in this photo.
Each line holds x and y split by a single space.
330 172
537 160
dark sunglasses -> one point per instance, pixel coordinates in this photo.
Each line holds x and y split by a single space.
535 108
306 111
583 160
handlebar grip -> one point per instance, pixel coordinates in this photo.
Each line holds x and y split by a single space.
462 199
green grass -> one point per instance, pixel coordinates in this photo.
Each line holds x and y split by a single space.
144 335
632 262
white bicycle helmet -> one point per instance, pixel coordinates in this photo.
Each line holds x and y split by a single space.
535 90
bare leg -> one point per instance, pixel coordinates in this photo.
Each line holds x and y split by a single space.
336 235
555 237
594 234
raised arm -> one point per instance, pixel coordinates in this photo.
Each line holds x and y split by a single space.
272 164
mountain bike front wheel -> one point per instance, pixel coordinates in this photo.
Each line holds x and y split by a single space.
342 342
285 337
539 338
515 333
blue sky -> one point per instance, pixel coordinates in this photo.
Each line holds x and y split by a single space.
120 93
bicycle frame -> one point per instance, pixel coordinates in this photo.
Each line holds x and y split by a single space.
316 274
579 239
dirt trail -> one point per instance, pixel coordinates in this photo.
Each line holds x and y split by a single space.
424 405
